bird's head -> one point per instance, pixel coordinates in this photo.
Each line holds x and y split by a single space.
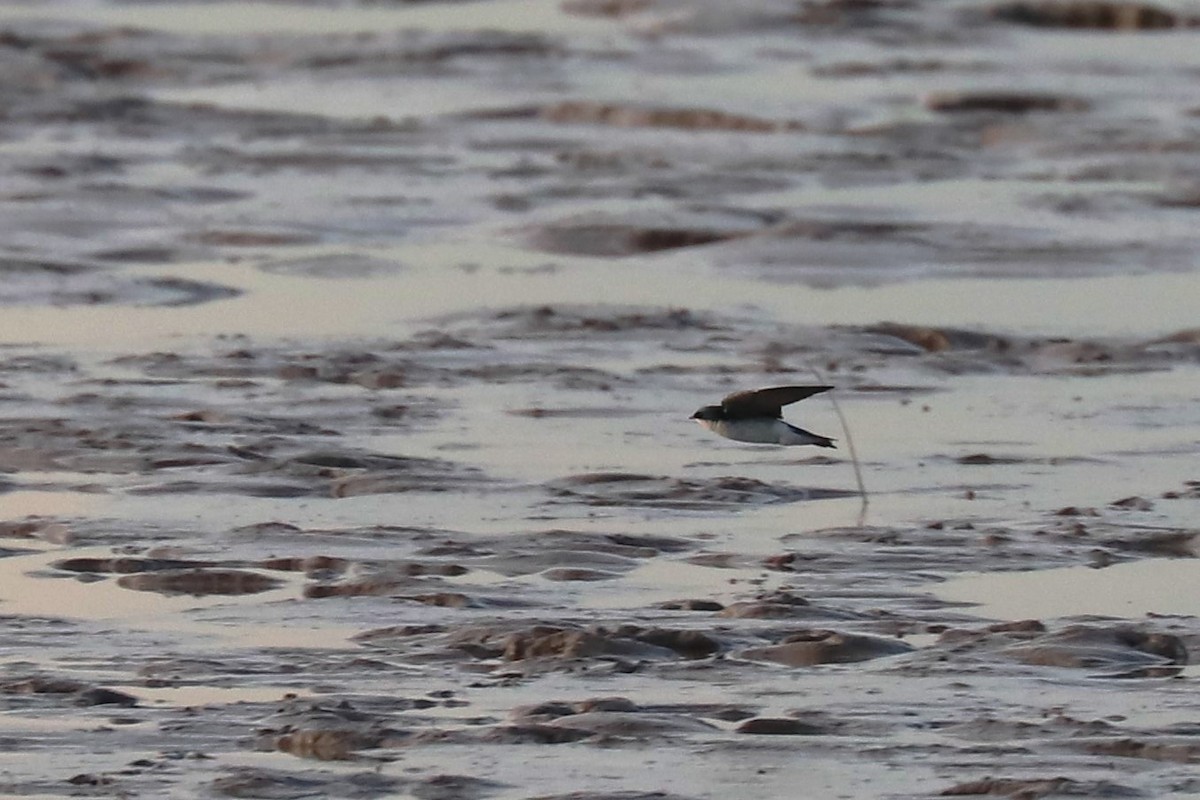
709 414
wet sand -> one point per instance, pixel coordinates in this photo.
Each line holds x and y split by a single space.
346 354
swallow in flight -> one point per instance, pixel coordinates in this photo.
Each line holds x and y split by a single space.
757 416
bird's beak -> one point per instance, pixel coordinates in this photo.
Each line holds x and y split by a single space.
695 416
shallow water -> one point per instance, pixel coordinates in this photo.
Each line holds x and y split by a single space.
346 355
443 279
239 18
1127 591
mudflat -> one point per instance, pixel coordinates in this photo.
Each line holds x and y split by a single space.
346 358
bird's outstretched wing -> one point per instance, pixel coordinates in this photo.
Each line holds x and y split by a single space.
767 402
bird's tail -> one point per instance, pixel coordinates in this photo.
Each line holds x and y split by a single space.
808 437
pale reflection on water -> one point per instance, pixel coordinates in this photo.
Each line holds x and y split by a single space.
21 503
446 278
235 16
1130 591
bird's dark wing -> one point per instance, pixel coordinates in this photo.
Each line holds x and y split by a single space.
767 402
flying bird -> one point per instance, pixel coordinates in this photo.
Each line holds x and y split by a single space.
757 416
